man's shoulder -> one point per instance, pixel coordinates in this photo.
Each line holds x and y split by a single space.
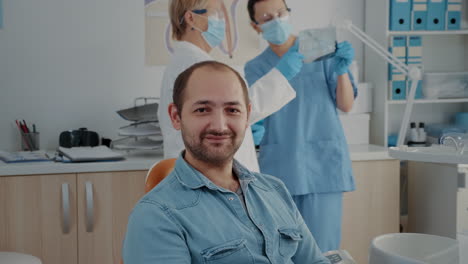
171 194
268 182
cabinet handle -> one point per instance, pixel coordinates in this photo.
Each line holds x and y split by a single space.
66 208
89 207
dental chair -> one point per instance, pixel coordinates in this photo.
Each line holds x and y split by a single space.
155 175
158 172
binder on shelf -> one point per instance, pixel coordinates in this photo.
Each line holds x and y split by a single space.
414 58
419 15
436 10
397 78
398 49
400 15
398 89
454 10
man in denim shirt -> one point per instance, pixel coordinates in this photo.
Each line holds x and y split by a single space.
211 209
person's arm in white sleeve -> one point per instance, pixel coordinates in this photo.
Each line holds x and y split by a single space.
269 94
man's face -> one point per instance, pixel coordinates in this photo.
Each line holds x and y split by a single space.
214 115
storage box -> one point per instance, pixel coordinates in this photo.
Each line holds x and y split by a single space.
356 128
445 85
363 102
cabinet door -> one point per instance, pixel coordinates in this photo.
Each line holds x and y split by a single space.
373 208
104 203
33 219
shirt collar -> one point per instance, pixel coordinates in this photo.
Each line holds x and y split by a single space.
192 178
190 48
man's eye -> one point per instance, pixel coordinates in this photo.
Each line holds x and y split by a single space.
201 110
233 110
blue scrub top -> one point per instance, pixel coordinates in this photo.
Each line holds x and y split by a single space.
304 144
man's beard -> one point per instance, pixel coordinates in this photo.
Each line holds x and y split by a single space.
213 153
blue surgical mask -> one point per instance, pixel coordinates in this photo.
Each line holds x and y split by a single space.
215 33
276 31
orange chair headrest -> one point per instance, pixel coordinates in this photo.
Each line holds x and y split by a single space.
158 172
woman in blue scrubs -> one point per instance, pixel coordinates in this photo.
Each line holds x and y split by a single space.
304 144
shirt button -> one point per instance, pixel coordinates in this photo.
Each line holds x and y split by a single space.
231 198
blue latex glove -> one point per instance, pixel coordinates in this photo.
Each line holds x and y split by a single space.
344 56
290 63
258 130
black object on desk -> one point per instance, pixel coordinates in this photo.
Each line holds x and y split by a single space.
78 138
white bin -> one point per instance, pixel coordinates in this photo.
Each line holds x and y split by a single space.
17 258
412 248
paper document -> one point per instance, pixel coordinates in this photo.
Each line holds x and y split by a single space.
23 156
99 153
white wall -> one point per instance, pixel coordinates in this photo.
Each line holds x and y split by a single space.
71 64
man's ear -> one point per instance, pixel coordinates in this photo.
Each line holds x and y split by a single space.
174 115
256 27
249 110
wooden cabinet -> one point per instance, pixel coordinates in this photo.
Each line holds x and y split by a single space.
32 220
33 215
114 196
373 208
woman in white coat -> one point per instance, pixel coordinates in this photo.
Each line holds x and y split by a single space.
199 26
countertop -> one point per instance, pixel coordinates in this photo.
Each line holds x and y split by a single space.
144 161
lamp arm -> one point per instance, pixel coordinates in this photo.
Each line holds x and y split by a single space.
413 73
382 52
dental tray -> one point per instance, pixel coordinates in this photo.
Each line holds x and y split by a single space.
141 129
145 112
131 143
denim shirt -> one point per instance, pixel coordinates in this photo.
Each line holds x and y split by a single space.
188 219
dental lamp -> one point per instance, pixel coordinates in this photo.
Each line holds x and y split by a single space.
412 72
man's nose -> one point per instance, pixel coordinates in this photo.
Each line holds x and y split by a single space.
218 121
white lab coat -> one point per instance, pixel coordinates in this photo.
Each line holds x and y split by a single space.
267 96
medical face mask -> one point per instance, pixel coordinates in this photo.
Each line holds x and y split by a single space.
215 33
277 31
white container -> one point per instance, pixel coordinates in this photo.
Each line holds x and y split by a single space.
413 248
445 85
356 128
363 102
18 258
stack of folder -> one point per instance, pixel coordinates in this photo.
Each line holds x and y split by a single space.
406 15
409 50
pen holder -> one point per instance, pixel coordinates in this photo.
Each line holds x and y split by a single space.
30 141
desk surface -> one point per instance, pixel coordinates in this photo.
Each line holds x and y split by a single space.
144 161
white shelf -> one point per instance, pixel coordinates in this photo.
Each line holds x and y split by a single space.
429 32
445 50
429 101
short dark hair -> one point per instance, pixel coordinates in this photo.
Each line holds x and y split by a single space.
182 80
251 8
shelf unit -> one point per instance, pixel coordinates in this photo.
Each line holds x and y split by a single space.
443 51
